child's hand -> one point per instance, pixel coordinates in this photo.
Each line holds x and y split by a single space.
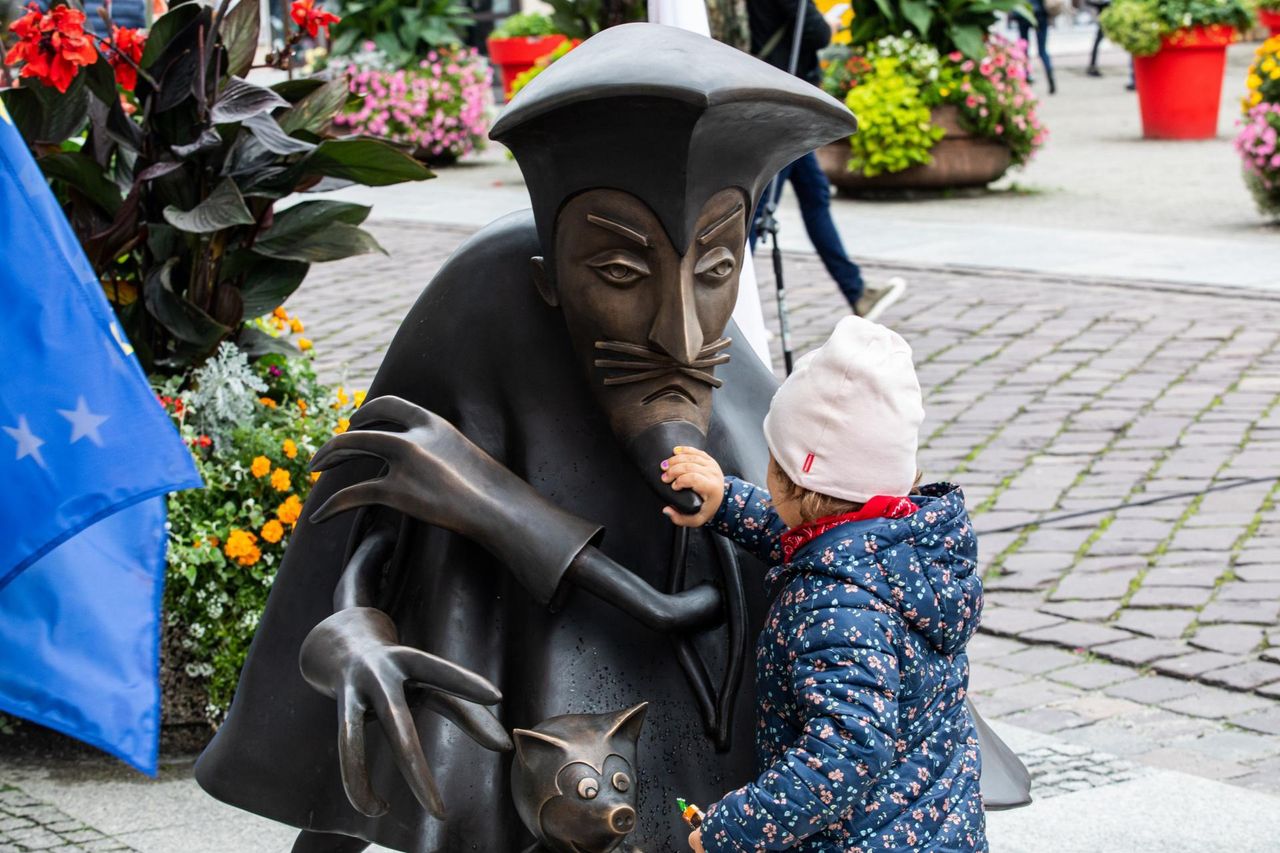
691 468
695 841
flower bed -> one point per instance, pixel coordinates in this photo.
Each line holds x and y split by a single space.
896 85
1259 139
440 107
252 427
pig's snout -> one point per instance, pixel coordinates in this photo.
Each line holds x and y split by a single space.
622 819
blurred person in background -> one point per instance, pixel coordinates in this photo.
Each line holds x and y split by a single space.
1041 13
772 25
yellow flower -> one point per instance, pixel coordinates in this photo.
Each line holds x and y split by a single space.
272 531
268 402
295 325
315 475
261 465
342 399
304 344
1254 81
302 407
290 449
360 395
343 425
290 511
278 324
242 547
280 480
280 313
1255 99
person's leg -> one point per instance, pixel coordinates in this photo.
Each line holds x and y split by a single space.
814 194
1042 45
1024 33
1092 70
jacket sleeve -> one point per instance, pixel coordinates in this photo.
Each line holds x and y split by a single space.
746 516
845 679
816 33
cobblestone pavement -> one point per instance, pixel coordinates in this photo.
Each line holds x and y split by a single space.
27 824
1149 632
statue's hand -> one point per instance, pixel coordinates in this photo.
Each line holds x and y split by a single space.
434 473
355 657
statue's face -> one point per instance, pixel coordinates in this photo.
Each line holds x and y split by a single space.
647 318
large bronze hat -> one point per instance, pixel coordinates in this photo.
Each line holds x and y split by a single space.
666 115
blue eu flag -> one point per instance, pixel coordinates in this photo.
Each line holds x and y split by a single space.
87 455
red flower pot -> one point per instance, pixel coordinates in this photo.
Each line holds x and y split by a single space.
1180 86
1270 19
514 56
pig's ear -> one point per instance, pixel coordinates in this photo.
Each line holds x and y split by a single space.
626 726
534 747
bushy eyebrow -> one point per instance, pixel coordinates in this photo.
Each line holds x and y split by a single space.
618 228
718 224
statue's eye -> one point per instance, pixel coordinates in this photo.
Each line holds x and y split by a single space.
716 266
588 789
721 269
619 268
622 781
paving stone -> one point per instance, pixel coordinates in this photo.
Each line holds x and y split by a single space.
1244 612
1265 720
1151 689
1141 650
1245 591
984 678
1244 676
1089 611
1092 675
1078 635
1009 621
1260 572
1037 660
1231 639
1215 703
1020 581
1198 765
1169 596
1184 576
984 646
1049 564
1195 664
1167 624
1046 720
1093 586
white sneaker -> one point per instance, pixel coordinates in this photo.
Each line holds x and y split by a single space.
876 300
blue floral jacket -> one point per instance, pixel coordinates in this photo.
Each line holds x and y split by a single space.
863 741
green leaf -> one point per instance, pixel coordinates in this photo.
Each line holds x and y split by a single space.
273 138
81 172
165 29
240 36
969 41
223 208
256 342
295 90
241 99
294 222
182 318
333 242
265 282
45 115
919 14
365 161
314 112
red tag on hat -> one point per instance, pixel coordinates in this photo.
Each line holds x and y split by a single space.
808 463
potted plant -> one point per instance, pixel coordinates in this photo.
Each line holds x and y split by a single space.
1179 52
1269 15
1259 141
403 30
929 121
520 41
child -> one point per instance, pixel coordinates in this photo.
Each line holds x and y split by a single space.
863 738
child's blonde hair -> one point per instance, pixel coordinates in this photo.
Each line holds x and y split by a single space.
814 505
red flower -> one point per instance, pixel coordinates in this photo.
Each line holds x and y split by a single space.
313 20
52 46
126 44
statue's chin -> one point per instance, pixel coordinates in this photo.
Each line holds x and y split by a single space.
654 444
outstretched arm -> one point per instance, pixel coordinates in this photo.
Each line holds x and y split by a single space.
731 507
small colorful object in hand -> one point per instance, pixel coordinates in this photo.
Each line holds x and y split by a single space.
691 814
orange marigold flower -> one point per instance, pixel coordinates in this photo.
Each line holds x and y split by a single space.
242 546
290 511
290 448
313 20
52 46
295 324
343 425
280 480
126 44
302 406
315 475
273 531
280 313
260 467
268 402
304 344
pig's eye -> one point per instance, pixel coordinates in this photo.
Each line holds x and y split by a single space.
622 782
588 788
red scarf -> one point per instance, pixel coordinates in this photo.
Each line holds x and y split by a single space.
881 506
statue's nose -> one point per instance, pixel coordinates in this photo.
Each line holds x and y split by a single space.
676 330
622 819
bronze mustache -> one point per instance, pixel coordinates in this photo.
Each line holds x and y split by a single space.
645 363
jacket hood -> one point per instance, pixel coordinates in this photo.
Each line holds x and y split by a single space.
924 565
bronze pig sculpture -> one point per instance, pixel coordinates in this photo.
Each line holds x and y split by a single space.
574 780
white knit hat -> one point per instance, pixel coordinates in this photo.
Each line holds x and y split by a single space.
846 423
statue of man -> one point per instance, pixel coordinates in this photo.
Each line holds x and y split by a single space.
497 553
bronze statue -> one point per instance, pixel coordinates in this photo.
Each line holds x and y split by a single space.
488 549
574 781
